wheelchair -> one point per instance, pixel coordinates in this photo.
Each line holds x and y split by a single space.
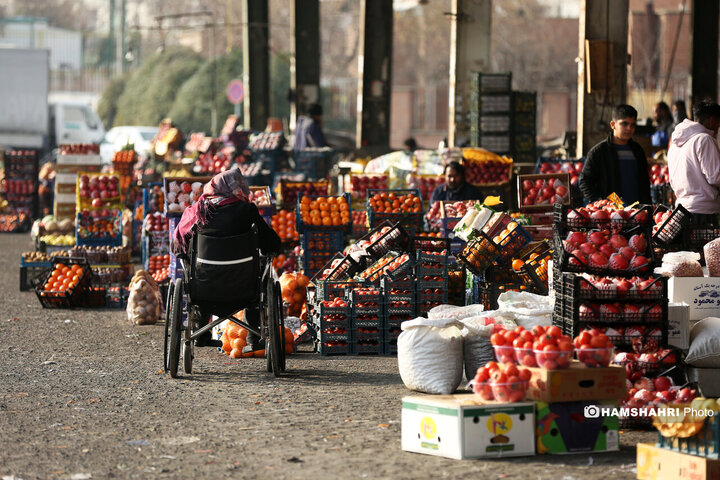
221 276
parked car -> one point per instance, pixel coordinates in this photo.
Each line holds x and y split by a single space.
117 137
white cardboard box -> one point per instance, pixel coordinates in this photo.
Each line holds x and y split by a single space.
702 294
458 426
679 325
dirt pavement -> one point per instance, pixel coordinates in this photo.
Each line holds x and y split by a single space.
82 395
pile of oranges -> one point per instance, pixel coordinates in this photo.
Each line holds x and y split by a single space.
325 211
64 278
389 202
283 223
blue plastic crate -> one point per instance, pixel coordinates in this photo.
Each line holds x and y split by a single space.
272 160
332 241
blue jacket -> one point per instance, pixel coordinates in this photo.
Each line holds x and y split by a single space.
308 134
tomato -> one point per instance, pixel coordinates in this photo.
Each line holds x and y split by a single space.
598 341
498 377
482 375
492 365
565 346
497 339
518 342
584 338
538 330
525 374
554 331
511 370
527 336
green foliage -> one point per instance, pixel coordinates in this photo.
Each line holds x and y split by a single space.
108 105
192 106
151 91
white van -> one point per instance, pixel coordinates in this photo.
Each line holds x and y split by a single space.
74 123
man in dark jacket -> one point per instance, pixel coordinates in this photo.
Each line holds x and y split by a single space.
455 188
617 164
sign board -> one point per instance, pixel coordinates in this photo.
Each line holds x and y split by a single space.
235 91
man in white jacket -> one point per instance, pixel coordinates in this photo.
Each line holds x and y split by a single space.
694 163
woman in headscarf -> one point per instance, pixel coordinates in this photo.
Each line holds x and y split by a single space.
224 210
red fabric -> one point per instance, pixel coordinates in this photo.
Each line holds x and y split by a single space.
224 188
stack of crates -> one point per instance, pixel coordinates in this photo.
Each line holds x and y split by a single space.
367 327
319 247
315 163
399 295
431 272
490 111
333 324
523 133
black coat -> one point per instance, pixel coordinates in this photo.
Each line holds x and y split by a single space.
236 219
600 176
465 192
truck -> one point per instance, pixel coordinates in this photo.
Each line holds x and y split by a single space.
29 120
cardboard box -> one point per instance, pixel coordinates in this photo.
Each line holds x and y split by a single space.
564 428
702 294
459 426
679 325
577 383
655 463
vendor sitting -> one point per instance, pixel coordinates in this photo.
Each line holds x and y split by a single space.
455 188
223 210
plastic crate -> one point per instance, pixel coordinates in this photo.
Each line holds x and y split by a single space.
313 263
544 177
576 286
490 82
70 298
533 271
670 229
642 217
567 262
314 163
479 253
32 274
395 238
117 297
372 304
373 346
85 237
332 241
328 290
272 160
325 350
440 282
487 293
301 226
696 236
410 220
343 270
374 272
705 443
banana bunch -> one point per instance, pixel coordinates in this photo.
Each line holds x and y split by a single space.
686 420
57 240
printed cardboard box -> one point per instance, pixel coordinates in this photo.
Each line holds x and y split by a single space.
577 383
655 463
460 426
679 325
571 427
702 294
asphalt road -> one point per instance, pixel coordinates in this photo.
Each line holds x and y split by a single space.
83 395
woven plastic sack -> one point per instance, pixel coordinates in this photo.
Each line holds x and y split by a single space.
453 311
476 332
712 257
529 309
430 355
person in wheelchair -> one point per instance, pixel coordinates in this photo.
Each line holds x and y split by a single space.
224 210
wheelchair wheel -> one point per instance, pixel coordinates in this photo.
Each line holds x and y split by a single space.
281 317
175 328
273 343
168 303
188 349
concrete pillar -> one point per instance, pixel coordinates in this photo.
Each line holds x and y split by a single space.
470 26
256 64
374 76
605 85
304 56
704 58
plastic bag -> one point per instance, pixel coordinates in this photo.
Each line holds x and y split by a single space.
430 355
453 311
476 332
712 257
528 308
681 264
143 306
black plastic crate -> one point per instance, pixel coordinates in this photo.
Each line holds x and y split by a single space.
479 253
367 304
567 262
498 274
434 282
313 263
301 226
431 270
390 348
487 293
314 163
328 290
329 348
368 346
367 320
73 297
641 217
431 244
490 83
332 241
534 272
394 238
340 267
696 236
374 273
410 221
669 230
433 257
31 275
576 286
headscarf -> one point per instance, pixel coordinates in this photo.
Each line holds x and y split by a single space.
224 189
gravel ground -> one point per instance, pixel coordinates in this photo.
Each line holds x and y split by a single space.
83 395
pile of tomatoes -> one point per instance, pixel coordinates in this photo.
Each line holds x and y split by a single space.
504 383
157 263
325 211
